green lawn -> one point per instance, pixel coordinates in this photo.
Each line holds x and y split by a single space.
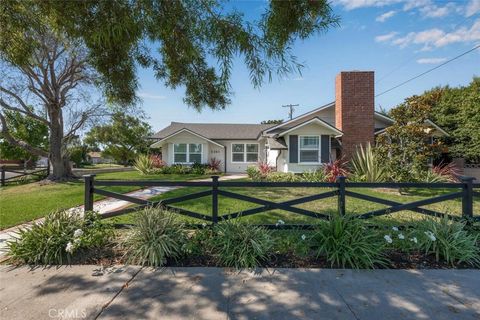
326 206
27 202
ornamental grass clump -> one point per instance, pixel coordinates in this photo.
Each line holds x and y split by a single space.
346 243
157 236
449 241
60 237
240 245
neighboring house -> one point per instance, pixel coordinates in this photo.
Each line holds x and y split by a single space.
97 158
303 143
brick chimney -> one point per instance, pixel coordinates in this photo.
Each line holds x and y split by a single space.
354 109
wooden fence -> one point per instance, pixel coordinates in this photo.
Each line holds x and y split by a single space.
465 190
21 172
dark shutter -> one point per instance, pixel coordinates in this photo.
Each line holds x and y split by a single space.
293 149
325 145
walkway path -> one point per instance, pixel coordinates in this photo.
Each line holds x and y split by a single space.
104 206
81 292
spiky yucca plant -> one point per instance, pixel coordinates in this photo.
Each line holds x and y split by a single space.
144 164
366 166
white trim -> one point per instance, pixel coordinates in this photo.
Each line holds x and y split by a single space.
316 119
430 122
244 152
158 143
319 154
331 104
384 117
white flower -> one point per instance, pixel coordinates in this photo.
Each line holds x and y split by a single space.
279 222
401 236
304 237
204 224
430 235
77 240
388 238
69 248
414 240
78 233
395 228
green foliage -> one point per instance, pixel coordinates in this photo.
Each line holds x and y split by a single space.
271 121
253 173
404 147
144 164
157 236
122 139
57 239
78 152
26 129
449 241
239 245
314 176
291 242
187 40
282 177
366 165
345 243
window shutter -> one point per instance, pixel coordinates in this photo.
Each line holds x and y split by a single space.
325 151
293 149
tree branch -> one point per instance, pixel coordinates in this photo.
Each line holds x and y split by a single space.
27 112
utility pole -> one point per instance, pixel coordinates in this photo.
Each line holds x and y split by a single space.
291 106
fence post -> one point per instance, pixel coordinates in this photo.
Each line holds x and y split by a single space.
215 199
89 183
467 198
2 178
341 195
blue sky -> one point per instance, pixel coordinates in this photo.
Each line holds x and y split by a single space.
396 39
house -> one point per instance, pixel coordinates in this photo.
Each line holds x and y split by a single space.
303 143
97 158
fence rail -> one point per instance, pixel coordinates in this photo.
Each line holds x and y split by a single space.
464 190
38 172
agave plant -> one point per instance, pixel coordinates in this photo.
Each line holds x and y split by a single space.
449 171
366 165
144 164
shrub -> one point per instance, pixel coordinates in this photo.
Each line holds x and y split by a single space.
282 177
253 173
214 165
313 176
157 161
264 169
58 238
345 243
449 171
144 164
429 176
156 236
366 165
240 245
198 168
335 169
449 241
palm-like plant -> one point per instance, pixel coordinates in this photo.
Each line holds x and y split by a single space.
366 165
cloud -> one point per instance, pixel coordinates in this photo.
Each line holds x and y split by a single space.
435 38
387 15
433 11
355 4
386 37
472 8
431 60
147 95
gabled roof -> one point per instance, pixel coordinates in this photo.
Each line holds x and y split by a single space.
317 120
216 131
158 143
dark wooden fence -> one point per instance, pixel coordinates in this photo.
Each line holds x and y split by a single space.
40 172
465 190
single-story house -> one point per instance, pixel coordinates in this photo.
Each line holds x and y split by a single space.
303 143
96 157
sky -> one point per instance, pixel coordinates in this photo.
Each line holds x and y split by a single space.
396 39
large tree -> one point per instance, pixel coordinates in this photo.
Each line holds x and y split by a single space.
122 139
190 44
50 86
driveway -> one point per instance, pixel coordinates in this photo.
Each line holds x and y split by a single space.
84 292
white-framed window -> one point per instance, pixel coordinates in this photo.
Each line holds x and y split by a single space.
187 153
245 152
309 149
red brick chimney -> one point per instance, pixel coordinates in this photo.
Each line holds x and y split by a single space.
354 109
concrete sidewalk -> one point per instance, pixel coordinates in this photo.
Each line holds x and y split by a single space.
81 292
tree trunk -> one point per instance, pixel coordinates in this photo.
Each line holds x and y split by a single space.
59 159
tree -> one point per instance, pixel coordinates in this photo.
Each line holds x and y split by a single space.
49 85
271 121
457 111
78 151
122 139
404 148
190 44
23 128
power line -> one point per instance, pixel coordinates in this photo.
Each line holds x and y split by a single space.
429 70
292 109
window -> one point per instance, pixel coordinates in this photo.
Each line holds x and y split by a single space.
187 153
309 149
244 152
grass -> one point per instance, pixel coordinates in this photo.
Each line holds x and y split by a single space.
27 202
326 206
100 166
